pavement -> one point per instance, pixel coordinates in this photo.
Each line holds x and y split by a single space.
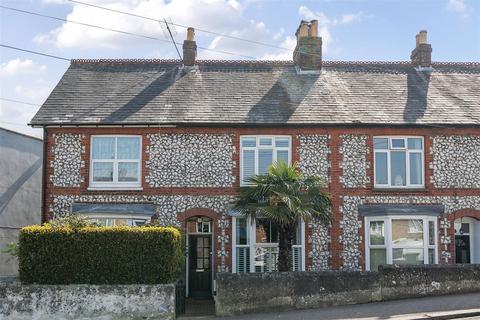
462 306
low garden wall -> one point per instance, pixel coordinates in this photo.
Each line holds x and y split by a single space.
256 292
19 301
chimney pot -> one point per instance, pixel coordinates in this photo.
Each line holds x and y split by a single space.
422 37
308 52
190 34
422 54
189 48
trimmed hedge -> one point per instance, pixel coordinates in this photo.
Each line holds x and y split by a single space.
99 255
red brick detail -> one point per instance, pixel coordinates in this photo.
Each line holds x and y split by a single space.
471 213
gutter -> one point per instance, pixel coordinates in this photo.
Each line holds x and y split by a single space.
44 176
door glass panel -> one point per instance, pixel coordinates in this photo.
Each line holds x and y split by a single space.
377 233
407 233
381 174
398 168
416 168
377 257
408 256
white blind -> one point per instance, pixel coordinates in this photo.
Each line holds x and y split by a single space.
248 164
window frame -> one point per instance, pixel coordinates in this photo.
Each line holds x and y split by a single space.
260 147
252 244
388 244
408 184
115 184
106 216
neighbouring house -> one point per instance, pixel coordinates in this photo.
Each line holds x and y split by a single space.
21 160
398 144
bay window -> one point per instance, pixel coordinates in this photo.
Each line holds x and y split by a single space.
398 162
410 240
259 152
255 243
115 162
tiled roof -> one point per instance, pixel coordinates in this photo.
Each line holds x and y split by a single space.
262 93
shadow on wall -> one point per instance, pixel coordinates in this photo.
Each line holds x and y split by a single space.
283 98
417 92
146 95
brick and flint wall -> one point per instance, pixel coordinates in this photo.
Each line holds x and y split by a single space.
195 171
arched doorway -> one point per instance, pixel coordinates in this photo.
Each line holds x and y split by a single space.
467 240
199 266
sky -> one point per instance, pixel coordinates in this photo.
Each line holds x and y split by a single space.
352 30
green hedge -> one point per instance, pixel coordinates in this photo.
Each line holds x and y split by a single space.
99 255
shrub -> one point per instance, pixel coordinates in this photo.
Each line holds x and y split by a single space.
99 255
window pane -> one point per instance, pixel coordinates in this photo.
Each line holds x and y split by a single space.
381 174
266 232
282 142
249 142
398 168
431 256
265 141
103 171
408 256
127 171
377 233
248 164
377 257
415 143
416 168
265 159
266 259
241 230
103 148
128 148
380 143
398 143
282 155
431 233
407 233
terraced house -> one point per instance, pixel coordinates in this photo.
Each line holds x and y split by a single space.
398 144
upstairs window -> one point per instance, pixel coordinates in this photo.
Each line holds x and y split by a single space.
259 152
399 162
115 162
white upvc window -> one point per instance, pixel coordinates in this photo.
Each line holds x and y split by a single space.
109 220
399 162
402 240
115 162
255 246
259 152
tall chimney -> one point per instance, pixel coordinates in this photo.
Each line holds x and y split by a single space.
308 52
422 54
189 48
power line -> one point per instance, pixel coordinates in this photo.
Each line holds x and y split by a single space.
22 102
34 52
182 26
116 30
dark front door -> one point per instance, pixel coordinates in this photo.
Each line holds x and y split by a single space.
200 265
462 249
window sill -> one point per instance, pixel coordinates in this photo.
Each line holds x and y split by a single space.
400 190
139 188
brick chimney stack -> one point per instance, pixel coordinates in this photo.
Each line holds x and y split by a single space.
189 48
422 54
308 52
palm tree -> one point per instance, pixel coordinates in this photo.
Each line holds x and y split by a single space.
284 196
